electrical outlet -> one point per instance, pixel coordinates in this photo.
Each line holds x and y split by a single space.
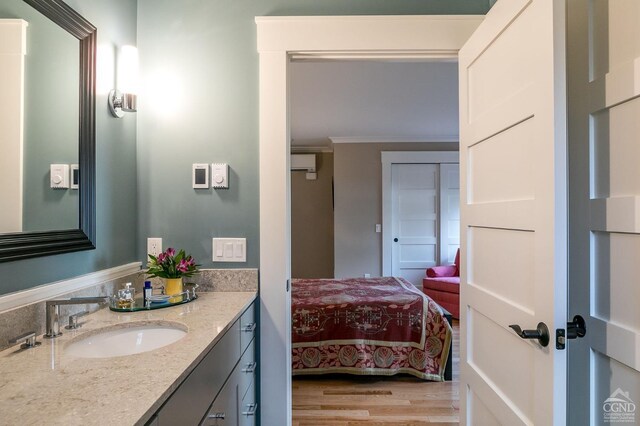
154 246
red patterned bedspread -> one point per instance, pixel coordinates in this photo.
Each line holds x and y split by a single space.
367 326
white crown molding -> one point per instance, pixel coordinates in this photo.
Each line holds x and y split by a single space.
395 56
57 289
310 149
392 139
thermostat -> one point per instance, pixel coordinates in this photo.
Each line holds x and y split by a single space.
74 176
59 176
200 178
220 175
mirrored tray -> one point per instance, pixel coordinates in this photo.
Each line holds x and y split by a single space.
188 295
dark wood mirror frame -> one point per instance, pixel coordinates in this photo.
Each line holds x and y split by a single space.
22 245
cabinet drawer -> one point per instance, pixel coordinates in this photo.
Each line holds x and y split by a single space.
224 410
194 396
248 327
247 370
248 408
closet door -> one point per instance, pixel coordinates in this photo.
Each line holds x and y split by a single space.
414 192
449 212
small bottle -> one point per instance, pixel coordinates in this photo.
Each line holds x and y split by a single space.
146 293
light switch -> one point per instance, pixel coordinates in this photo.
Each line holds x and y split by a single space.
59 176
238 249
229 249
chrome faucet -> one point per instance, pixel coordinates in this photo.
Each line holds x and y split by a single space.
53 311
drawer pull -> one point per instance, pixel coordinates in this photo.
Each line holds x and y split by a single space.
249 328
252 409
217 416
250 368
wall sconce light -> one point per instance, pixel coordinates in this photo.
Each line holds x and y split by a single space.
125 98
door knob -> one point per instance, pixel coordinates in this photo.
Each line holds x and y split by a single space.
576 328
395 240
541 333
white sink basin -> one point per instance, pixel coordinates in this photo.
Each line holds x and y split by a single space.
126 339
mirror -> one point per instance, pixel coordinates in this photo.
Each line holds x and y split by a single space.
57 126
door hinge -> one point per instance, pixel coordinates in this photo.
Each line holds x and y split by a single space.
288 284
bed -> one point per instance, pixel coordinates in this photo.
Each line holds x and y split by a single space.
367 326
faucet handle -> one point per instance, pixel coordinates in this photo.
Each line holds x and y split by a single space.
28 338
73 320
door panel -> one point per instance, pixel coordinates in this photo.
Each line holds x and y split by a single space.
498 366
604 136
513 214
499 254
492 178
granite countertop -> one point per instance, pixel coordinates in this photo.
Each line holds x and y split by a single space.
46 385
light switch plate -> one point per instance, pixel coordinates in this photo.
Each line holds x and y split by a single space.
229 249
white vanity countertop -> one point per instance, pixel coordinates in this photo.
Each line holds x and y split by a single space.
44 385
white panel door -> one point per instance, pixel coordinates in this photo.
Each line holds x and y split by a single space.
513 215
449 212
604 133
414 194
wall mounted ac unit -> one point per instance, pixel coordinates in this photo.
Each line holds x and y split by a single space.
304 162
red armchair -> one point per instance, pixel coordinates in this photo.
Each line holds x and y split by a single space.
442 284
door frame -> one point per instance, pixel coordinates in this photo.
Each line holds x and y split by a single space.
389 158
279 40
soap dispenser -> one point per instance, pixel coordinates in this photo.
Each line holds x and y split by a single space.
126 297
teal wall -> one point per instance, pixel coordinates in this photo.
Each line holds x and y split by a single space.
116 170
203 51
199 66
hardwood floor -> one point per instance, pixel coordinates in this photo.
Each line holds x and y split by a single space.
340 400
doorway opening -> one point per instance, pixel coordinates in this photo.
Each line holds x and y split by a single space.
279 40
363 103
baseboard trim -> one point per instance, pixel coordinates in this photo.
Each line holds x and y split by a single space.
49 291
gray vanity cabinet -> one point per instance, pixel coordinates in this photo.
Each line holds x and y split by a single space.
221 388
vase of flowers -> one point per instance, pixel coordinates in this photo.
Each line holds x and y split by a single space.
172 266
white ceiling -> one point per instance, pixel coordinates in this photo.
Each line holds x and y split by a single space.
380 101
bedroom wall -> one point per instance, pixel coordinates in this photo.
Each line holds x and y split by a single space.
312 221
358 203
